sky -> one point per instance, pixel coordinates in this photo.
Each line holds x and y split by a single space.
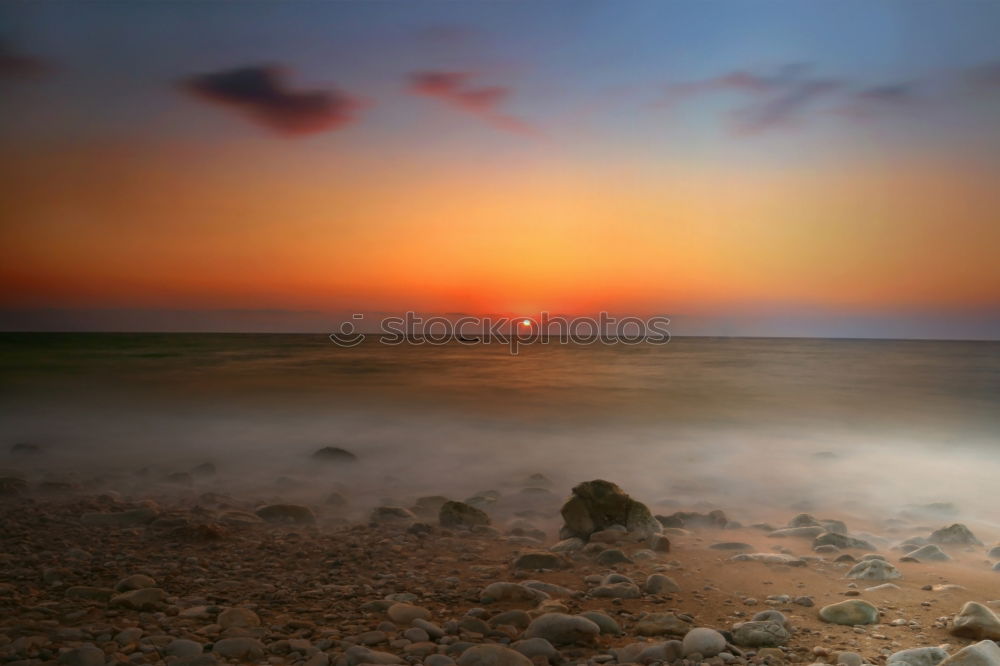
765 167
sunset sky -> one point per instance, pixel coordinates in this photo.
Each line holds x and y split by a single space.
768 167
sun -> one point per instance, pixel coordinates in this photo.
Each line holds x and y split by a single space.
525 322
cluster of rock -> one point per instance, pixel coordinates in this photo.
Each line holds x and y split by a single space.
480 590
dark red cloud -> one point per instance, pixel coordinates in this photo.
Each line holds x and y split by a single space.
262 93
457 89
14 65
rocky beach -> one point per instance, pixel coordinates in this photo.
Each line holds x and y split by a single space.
153 567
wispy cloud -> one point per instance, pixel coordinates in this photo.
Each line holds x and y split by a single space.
788 96
263 95
458 89
772 100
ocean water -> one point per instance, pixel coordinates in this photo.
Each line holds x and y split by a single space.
864 425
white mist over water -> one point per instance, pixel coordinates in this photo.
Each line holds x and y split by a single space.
750 426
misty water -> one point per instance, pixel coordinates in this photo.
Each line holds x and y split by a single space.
860 426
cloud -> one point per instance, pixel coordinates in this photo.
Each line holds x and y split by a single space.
14 65
892 98
262 93
773 101
458 90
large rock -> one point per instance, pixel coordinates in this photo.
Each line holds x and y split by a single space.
460 514
510 592
537 647
237 617
983 653
604 621
597 505
704 641
660 584
538 560
929 553
874 570
922 656
661 624
288 514
242 647
957 534
841 541
562 629
976 621
760 633
404 614
619 590
493 655
850 612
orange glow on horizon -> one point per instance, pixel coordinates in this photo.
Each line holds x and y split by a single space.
91 229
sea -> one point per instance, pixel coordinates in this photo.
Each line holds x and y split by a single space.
869 426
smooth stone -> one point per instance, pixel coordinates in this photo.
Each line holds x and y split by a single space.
874 569
704 641
760 633
612 556
514 618
956 534
976 621
538 560
660 584
405 614
922 656
842 541
562 629
358 654
493 655
512 592
537 647
850 612
134 582
237 617
616 591
661 624
460 514
181 647
984 653
604 621
850 659
241 647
